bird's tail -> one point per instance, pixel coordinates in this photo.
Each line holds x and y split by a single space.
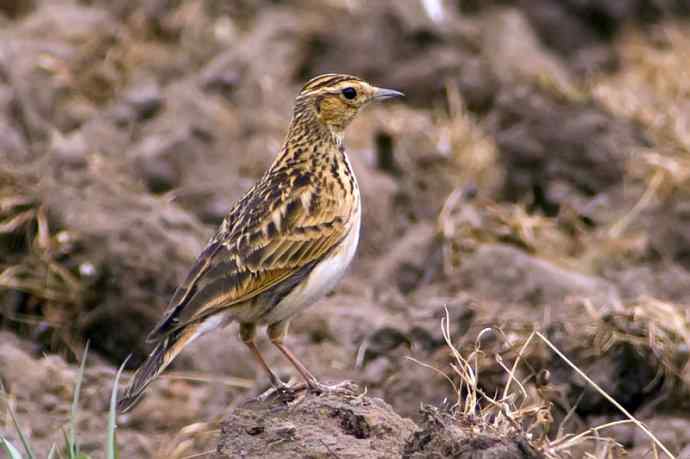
164 353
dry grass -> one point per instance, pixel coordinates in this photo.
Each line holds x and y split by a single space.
186 443
651 88
521 408
465 224
39 268
460 136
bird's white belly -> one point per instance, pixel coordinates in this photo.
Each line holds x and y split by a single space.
322 279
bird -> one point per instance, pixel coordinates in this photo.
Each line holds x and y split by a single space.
285 244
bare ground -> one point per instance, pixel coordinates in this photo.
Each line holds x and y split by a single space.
537 177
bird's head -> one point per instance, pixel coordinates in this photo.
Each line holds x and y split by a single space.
336 98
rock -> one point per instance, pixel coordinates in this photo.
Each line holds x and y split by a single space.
318 426
507 274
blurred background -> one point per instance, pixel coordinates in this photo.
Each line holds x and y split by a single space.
537 176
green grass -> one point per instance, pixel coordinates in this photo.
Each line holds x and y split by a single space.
11 451
111 445
71 448
72 445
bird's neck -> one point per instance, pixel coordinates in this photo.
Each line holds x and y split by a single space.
309 140
318 152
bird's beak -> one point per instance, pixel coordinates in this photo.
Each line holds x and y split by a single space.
382 94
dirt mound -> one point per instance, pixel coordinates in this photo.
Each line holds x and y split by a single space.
357 427
315 426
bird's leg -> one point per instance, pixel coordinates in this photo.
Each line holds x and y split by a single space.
248 335
277 333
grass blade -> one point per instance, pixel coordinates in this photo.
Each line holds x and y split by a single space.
11 451
52 452
72 446
110 446
25 443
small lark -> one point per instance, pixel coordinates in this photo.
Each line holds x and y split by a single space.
284 245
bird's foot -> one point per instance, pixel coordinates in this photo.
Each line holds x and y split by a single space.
344 388
281 391
289 394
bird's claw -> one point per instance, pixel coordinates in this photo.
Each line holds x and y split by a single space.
283 392
345 388
288 394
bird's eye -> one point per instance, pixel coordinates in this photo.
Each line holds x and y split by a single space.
349 93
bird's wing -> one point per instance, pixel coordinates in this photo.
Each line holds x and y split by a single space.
269 238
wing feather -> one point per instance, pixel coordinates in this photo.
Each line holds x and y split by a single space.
257 254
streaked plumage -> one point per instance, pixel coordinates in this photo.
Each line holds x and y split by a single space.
285 244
